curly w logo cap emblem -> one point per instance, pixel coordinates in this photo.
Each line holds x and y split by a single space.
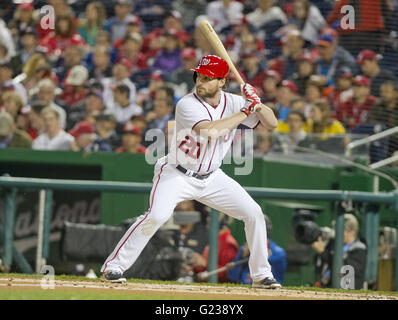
205 62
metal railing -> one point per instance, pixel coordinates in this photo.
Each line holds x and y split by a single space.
374 137
11 186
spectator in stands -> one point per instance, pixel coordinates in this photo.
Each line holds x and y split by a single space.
122 107
369 25
173 21
46 94
263 135
22 120
157 80
269 89
332 57
239 30
276 258
201 44
23 19
7 40
189 10
227 251
71 57
267 15
105 127
292 51
86 140
152 12
297 104
385 112
134 25
355 111
102 67
168 58
131 140
62 37
286 142
368 62
87 109
120 75
161 114
308 19
103 38
286 92
220 13
12 103
29 42
54 136
94 20
117 25
140 122
10 136
36 123
8 83
130 48
321 121
252 69
37 68
305 69
75 86
354 250
182 77
343 89
155 40
314 88
301 105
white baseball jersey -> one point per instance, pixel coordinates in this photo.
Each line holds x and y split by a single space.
194 152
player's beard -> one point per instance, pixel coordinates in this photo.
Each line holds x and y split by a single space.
207 93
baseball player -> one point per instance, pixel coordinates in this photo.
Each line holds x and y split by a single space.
205 124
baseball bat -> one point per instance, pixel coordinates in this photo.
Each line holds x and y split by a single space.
205 274
211 36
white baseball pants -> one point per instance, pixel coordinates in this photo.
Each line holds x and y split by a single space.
218 191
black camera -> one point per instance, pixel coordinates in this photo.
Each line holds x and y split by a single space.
306 231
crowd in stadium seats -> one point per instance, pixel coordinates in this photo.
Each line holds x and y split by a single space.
108 71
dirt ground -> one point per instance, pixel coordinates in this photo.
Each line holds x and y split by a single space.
190 291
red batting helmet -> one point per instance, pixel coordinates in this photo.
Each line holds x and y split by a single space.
212 66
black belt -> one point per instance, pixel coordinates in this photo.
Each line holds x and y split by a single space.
194 174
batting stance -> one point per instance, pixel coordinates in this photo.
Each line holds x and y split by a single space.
206 122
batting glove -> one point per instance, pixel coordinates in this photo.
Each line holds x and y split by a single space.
252 100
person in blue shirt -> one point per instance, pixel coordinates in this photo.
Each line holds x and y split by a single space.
277 259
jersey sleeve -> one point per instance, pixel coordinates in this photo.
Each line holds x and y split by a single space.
189 113
252 121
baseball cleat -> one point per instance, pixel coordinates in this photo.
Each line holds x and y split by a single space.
113 276
267 283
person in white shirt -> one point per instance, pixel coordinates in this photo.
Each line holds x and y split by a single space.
6 37
46 94
121 73
54 136
222 11
6 80
265 13
308 18
122 108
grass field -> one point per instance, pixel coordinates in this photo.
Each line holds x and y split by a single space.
34 287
